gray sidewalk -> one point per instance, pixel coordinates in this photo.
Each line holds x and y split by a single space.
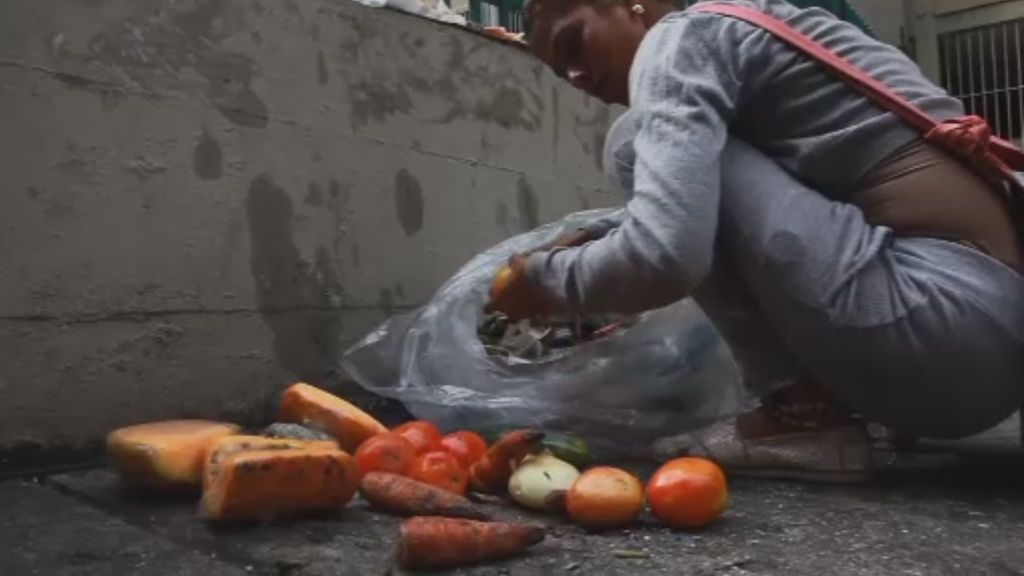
930 514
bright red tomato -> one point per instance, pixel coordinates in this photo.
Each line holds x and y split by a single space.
387 452
423 436
466 446
440 469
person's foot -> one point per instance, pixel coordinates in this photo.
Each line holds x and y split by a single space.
811 441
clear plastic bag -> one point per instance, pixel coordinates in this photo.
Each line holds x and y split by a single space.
668 373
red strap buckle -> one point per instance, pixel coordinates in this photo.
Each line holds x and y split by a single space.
969 138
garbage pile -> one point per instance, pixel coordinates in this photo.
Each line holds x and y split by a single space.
537 339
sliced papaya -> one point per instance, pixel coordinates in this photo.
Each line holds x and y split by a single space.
311 406
164 455
228 445
265 484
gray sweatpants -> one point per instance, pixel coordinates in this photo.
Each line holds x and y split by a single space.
923 335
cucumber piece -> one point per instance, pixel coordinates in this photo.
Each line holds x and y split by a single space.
572 449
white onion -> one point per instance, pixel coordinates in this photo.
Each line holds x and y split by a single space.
537 478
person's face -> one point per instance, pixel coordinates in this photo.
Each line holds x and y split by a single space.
591 45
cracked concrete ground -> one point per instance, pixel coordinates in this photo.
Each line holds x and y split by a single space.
954 509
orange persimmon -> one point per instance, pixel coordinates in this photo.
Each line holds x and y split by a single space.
502 278
688 493
605 497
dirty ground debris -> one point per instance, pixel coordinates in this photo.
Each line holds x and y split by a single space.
934 513
533 340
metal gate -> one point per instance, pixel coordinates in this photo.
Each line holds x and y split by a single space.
984 67
507 13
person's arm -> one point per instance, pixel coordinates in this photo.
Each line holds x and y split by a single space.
685 92
617 159
602 226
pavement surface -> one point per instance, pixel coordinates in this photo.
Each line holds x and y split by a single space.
953 509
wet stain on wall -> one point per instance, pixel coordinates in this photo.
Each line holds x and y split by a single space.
54 206
338 196
385 301
501 215
469 84
294 298
590 129
321 68
356 254
584 202
556 119
408 202
207 157
529 207
314 195
153 50
508 109
292 8
145 167
329 278
375 101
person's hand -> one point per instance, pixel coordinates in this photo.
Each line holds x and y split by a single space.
514 295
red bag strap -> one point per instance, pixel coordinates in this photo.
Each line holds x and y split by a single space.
968 138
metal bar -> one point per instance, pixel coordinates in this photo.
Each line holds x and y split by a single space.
997 114
1020 77
970 71
947 65
983 93
1008 94
960 69
983 81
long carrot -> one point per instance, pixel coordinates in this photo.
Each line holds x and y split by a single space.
432 543
407 497
490 474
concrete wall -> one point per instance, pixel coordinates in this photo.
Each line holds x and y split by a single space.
204 200
886 18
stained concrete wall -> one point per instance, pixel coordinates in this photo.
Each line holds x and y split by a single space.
204 200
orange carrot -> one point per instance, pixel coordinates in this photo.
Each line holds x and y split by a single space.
403 496
432 543
490 474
